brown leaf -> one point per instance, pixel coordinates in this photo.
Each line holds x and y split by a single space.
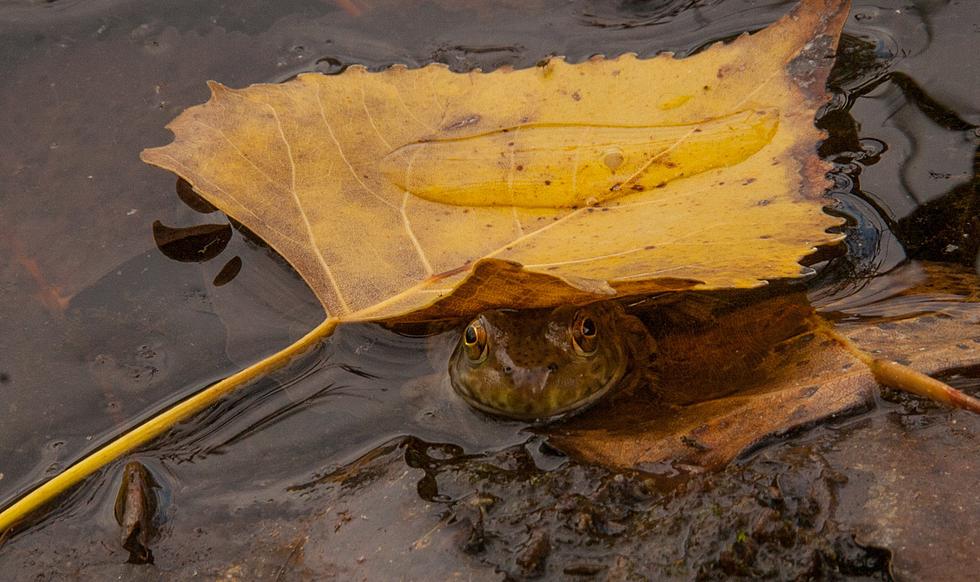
775 367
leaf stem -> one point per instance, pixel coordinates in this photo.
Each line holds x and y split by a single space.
904 378
155 426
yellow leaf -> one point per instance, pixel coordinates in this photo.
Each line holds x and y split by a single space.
403 193
410 194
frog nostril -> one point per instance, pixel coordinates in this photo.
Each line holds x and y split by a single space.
553 367
508 369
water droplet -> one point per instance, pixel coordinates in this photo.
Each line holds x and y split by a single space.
329 66
613 158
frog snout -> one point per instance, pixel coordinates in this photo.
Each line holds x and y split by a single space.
532 379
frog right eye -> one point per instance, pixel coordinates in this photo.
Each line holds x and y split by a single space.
584 334
475 341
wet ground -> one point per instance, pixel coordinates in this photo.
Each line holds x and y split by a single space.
121 293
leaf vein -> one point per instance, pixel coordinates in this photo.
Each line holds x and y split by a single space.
371 119
306 219
343 156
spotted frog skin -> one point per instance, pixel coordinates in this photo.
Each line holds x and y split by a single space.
543 364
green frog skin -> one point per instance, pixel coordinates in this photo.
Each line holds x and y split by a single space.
544 364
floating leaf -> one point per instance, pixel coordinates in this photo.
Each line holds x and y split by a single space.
400 193
412 194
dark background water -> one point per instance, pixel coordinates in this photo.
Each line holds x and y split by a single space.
110 307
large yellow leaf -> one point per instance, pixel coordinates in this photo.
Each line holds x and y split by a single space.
419 193
403 192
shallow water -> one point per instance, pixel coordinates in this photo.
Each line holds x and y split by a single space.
106 317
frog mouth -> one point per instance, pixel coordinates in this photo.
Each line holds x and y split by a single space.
543 416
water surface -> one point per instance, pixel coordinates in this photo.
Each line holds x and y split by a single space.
111 309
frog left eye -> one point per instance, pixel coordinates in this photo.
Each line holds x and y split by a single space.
475 341
585 334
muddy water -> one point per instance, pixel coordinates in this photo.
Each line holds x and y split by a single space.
122 293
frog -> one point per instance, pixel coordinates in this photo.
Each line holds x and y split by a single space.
547 365
543 365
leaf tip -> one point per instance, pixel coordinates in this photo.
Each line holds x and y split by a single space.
217 88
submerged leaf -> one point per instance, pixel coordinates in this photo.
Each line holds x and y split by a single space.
136 511
403 192
775 366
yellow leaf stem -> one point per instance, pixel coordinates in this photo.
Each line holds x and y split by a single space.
155 426
900 377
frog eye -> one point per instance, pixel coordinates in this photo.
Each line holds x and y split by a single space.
585 334
475 341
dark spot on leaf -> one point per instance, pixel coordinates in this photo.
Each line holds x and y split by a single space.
748 181
764 202
766 237
520 167
661 185
649 247
547 182
577 96
638 187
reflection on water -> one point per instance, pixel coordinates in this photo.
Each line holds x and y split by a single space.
366 425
